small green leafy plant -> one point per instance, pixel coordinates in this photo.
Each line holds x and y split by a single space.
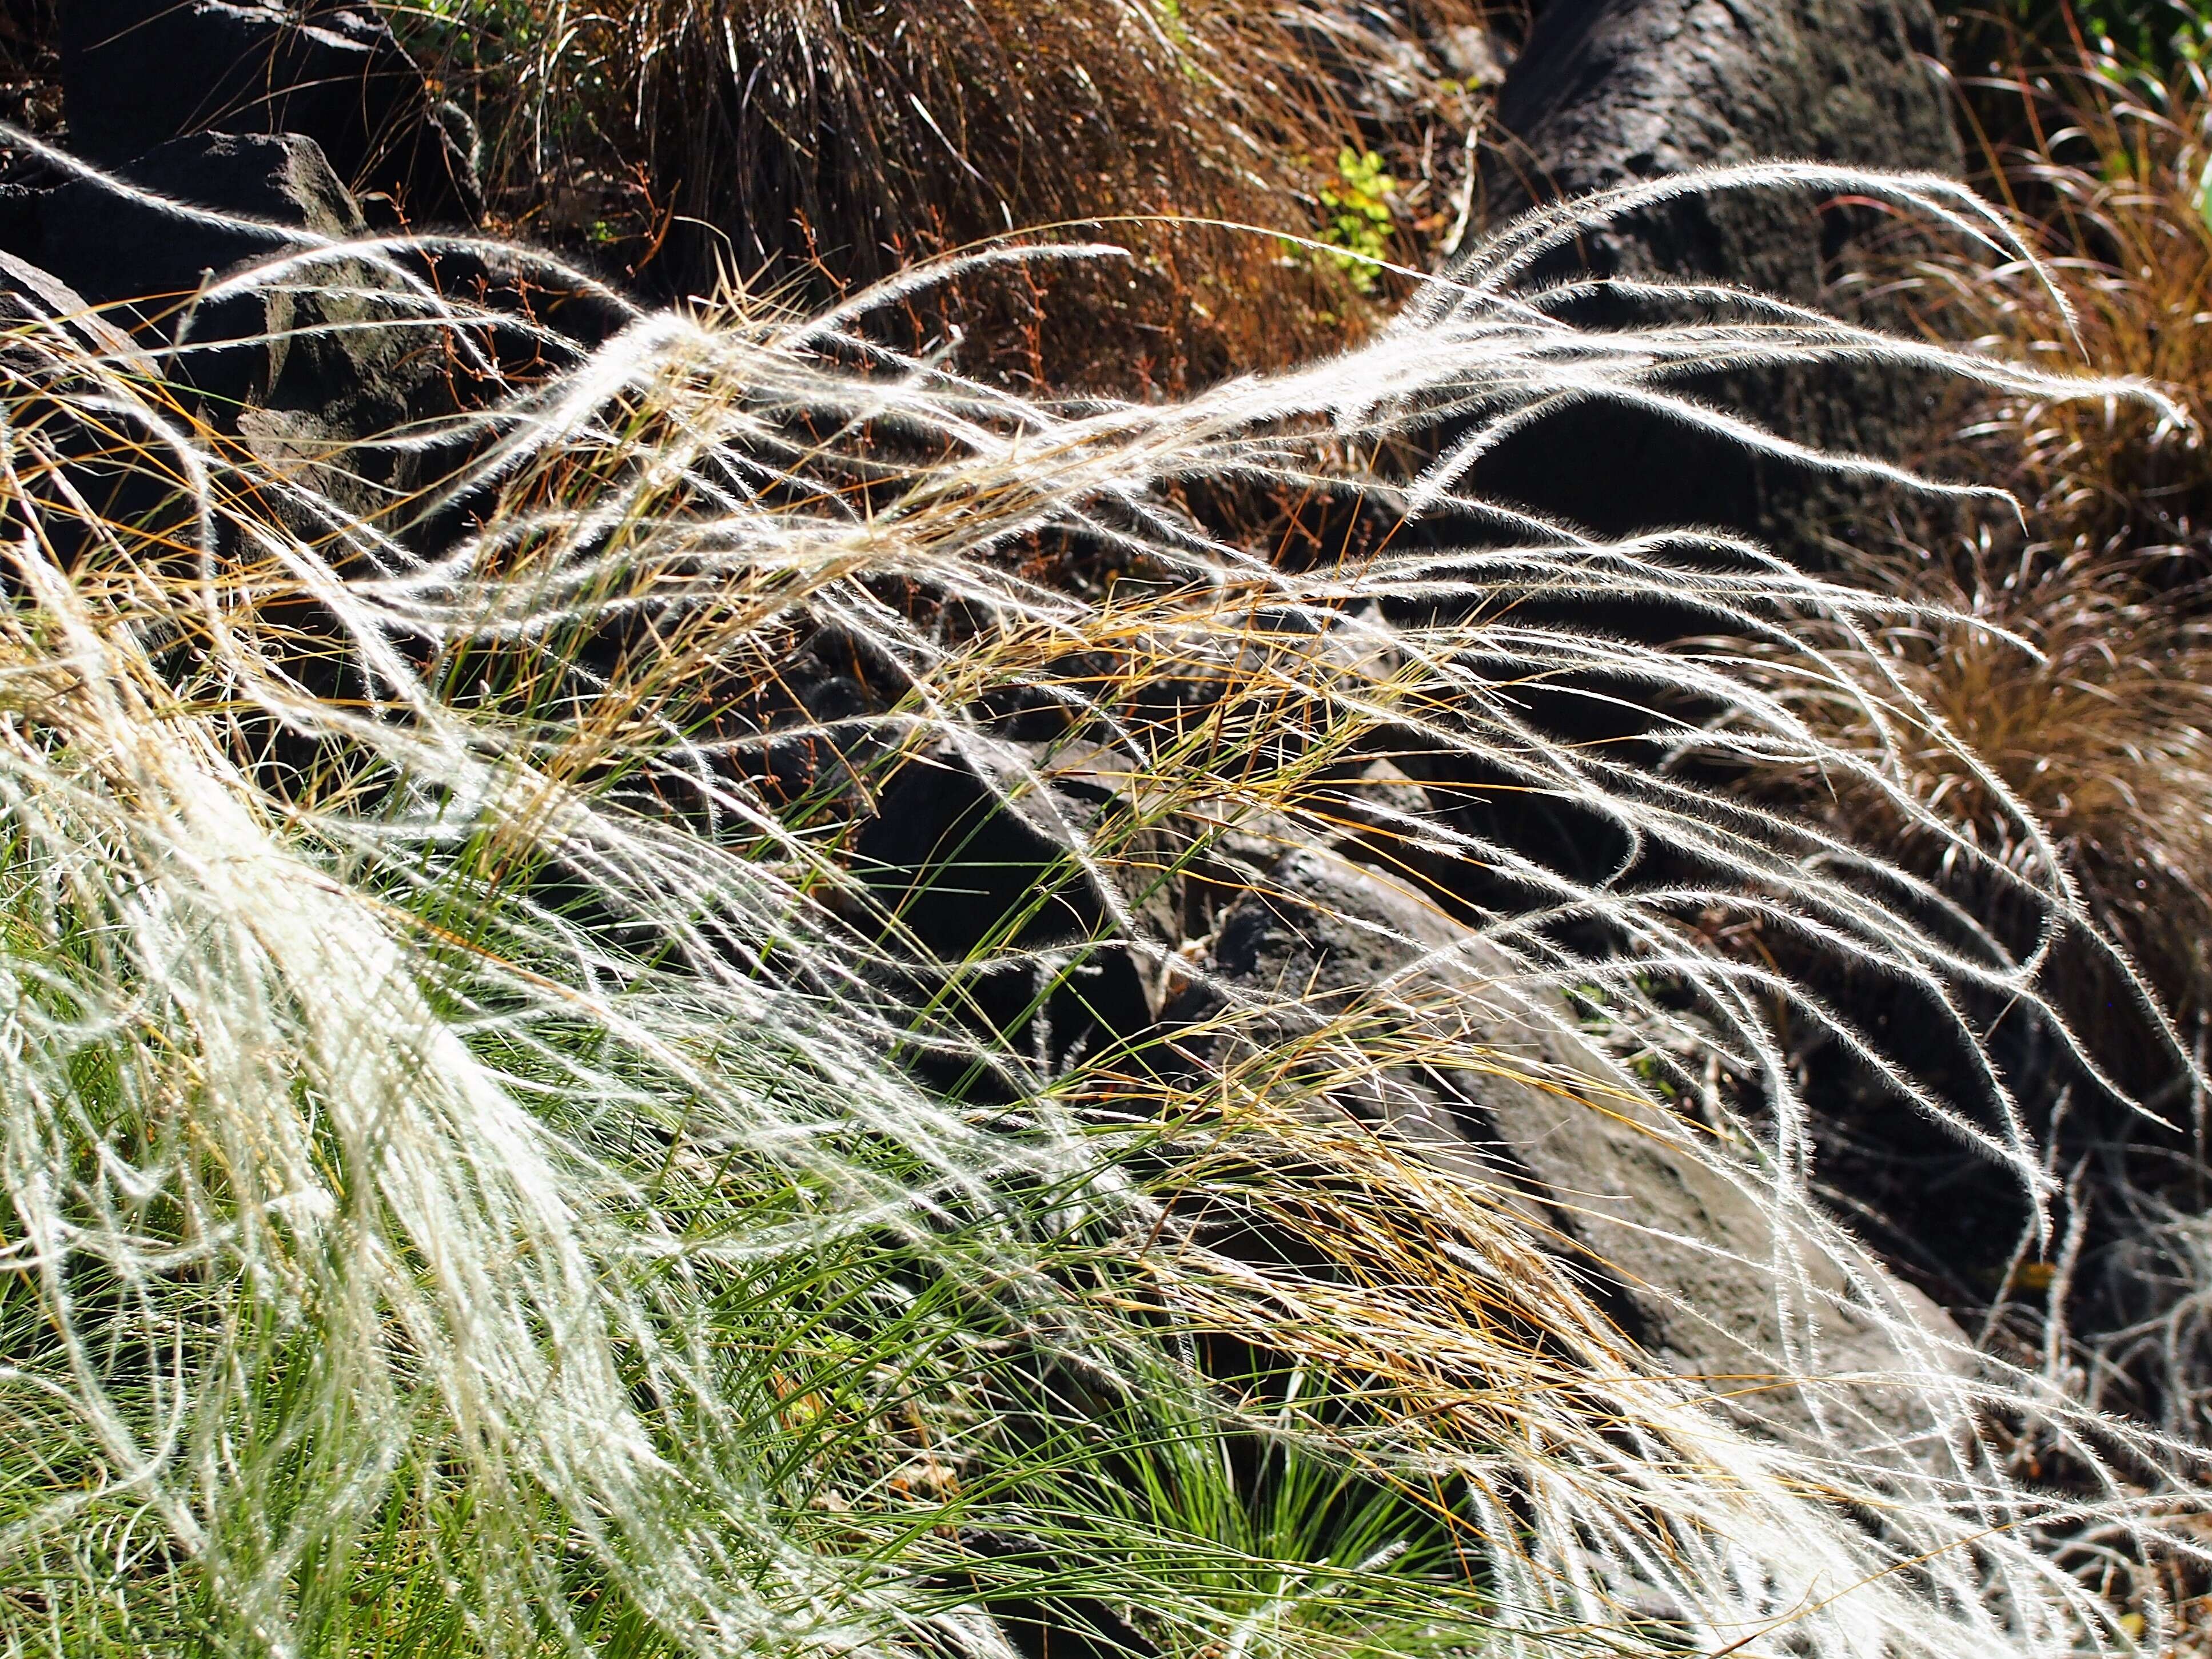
1360 221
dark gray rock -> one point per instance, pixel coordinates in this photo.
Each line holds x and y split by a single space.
957 877
1676 1241
30 295
206 204
145 258
199 208
137 74
1611 91
49 335
301 369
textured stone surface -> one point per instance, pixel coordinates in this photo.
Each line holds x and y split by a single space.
1610 91
45 329
29 295
298 370
148 253
137 74
148 258
967 878
1675 1244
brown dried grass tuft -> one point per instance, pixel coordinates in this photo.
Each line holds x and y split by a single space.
2073 684
2080 666
815 145
2112 163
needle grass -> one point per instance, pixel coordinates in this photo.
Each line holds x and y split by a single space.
478 1173
2100 723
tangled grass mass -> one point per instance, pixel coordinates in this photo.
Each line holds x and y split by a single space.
504 1154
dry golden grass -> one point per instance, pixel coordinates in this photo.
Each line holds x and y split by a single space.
820 143
2070 686
2083 680
2112 164
470 1185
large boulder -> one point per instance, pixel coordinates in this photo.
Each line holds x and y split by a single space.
197 205
1614 91
1685 1245
1608 92
137 74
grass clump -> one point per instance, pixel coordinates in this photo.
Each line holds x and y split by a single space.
2105 153
488 1168
2065 660
818 145
2080 690
2076 667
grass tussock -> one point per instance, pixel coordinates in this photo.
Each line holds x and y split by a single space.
2081 677
488 1172
827 145
2106 155
2074 686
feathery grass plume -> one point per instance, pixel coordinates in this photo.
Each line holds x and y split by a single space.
487 1170
823 145
2073 664
2108 155
2086 687
2077 687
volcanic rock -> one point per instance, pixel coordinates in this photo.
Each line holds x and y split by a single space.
137 74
